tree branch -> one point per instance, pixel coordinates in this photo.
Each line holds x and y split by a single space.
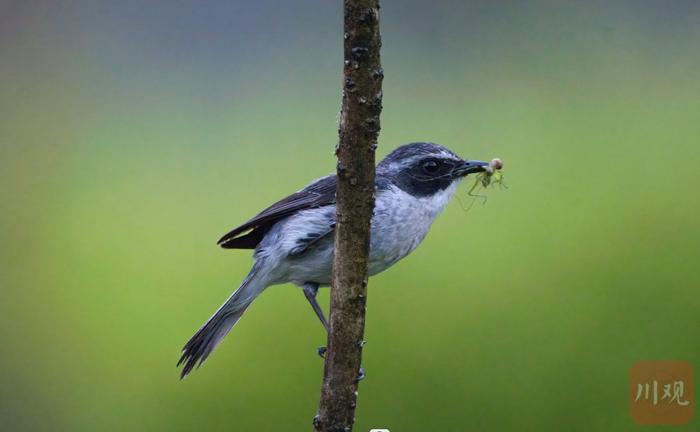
358 132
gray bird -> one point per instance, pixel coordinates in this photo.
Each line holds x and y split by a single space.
293 238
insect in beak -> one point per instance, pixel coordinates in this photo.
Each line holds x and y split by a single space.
490 175
470 167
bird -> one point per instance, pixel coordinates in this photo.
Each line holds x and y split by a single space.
293 238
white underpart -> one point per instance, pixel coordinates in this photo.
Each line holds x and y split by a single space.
400 223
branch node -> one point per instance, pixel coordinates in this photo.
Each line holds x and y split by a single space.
360 52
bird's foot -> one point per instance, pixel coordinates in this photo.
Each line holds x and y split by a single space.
321 351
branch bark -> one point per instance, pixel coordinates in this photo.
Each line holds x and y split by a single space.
358 132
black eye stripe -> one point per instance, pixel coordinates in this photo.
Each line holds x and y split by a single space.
435 166
425 176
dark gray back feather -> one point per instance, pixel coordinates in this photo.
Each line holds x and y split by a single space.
318 194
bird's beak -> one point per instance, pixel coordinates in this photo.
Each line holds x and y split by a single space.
469 167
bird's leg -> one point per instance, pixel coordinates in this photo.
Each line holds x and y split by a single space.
310 291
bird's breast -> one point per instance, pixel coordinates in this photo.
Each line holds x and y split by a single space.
400 223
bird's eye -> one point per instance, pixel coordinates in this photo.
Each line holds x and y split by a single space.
431 167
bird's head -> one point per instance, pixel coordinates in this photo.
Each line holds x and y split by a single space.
424 169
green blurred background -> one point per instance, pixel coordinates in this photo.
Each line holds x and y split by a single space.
133 134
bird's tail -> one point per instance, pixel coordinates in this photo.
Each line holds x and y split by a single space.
198 348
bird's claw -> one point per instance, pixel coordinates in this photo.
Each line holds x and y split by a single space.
321 351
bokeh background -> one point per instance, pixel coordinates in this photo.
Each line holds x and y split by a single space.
133 134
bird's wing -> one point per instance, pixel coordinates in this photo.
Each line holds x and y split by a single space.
247 236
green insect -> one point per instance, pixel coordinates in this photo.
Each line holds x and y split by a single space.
491 176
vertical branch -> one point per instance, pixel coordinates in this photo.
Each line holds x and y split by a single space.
358 132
